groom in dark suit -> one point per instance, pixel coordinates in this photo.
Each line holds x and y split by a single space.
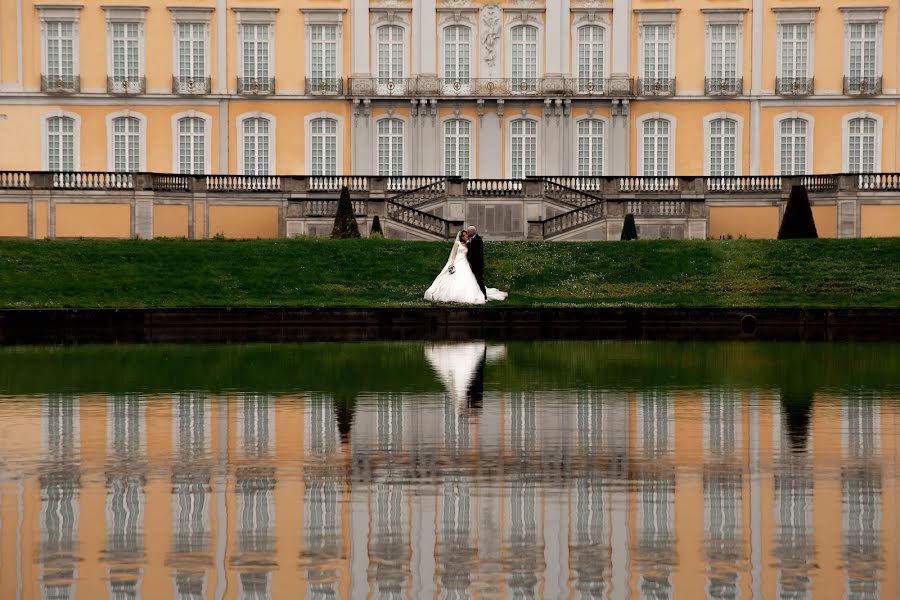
476 257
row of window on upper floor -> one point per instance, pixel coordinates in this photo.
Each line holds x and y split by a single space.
391 61
325 136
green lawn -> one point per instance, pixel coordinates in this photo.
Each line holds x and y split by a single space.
305 272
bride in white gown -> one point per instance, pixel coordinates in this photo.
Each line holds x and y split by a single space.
456 282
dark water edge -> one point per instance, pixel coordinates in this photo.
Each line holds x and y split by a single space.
347 370
282 324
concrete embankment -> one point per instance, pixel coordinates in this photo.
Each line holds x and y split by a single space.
217 325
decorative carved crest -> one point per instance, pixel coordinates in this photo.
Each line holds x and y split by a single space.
490 35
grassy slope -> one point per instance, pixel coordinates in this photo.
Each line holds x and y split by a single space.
818 273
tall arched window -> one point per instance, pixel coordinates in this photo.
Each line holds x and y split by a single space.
126 142
861 145
191 146
655 144
591 65
390 147
523 148
61 144
590 147
457 54
390 53
793 146
256 150
457 148
324 146
723 147
524 55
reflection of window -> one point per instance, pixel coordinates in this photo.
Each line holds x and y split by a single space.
861 428
61 427
655 422
390 423
190 517
125 517
861 530
191 436
793 527
256 425
722 433
126 426
321 526
655 534
190 586
59 515
456 426
522 425
523 541
323 434
255 586
256 513
390 550
589 550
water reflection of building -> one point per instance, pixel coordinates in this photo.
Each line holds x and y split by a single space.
543 494
60 483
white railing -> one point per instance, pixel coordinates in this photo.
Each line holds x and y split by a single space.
657 208
405 183
15 180
580 183
749 183
879 181
494 187
87 180
243 183
335 183
649 184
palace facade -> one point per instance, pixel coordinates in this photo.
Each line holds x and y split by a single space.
499 89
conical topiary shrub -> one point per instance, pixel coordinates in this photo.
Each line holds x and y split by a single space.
629 229
798 221
376 228
345 226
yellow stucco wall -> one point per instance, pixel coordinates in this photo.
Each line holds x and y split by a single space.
14 220
170 220
93 220
879 221
243 222
826 221
757 222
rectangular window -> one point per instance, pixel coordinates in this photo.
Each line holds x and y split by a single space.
191 146
862 146
524 149
794 50
863 48
324 51
722 148
390 147
61 144
793 147
656 148
255 51
192 50
524 54
723 51
126 144
390 52
591 65
456 54
590 148
656 51
61 50
126 51
456 148
324 147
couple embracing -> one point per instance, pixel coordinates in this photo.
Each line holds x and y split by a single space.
462 278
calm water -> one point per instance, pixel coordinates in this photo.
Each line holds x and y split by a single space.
482 470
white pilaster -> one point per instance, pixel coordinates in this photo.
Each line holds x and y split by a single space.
424 20
754 137
359 15
223 137
221 49
20 71
756 47
554 19
621 54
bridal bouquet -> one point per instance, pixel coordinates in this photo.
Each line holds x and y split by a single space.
451 269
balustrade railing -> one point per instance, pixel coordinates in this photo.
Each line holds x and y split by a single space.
422 195
418 219
744 184
404 183
243 183
170 183
568 195
819 183
328 208
574 218
15 180
93 180
494 187
879 181
657 208
488 87
335 183
649 184
580 182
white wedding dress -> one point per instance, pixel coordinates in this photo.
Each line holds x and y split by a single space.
460 287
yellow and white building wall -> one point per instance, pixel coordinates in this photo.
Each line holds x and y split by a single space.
592 87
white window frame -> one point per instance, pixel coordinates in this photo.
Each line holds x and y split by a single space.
845 136
715 17
191 16
860 16
463 18
207 139
538 164
661 16
273 129
76 138
639 125
399 17
796 16
605 146
110 138
126 15
810 137
255 16
339 146
739 142
324 16
472 143
582 21
54 14
406 144
518 20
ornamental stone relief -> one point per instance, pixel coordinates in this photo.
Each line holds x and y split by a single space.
491 18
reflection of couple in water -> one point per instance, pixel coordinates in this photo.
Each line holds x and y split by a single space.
460 367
